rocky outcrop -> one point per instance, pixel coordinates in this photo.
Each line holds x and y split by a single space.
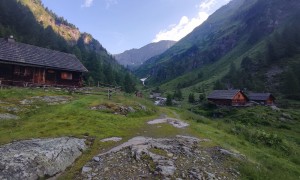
119 108
38 158
181 157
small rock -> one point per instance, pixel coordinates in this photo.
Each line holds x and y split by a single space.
170 155
287 116
97 159
86 169
115 139
8 116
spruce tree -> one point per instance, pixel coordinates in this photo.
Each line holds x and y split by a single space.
169 100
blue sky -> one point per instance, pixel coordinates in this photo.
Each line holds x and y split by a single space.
121 25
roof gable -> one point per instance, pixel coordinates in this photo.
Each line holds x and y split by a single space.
223 94
15 52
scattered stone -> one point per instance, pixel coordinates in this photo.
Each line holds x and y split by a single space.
2 102
12 109
26 101
8 116
170 155
286 116
174 122
115 108
275 108
50 100
226 152
115 139
86 169
97 159
39 158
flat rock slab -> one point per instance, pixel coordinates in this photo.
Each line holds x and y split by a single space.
114 139
174 122
181 157
8 116
38 158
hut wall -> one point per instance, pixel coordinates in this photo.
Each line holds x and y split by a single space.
239 99
18 75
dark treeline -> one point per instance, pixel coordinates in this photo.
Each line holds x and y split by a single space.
18 20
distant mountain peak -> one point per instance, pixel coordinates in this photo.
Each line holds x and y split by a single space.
136 57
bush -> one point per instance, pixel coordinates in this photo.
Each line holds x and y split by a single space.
268 139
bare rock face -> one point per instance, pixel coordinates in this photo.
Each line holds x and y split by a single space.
181 157
38 158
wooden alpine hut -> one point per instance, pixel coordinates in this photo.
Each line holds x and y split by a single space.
228 97
23 64
262 98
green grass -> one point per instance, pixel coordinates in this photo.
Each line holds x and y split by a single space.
265 159
248 131
72 119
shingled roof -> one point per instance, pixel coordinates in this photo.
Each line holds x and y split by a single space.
260 96
15 52
223 94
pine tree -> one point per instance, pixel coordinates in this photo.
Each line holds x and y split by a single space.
169 100
191 98
129 85
177 94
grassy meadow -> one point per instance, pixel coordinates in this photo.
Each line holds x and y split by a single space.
269 139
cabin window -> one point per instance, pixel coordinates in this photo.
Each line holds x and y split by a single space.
27 71
17 70
66 75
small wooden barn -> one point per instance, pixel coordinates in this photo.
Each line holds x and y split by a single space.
228 97
262 98
23 64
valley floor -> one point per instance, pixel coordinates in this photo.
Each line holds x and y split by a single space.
192 148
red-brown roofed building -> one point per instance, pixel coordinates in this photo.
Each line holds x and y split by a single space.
262 98
228 97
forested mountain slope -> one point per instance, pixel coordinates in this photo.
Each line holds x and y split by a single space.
30 22
264 31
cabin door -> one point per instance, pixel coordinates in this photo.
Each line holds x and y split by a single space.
39 76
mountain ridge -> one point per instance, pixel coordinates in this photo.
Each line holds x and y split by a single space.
226 37
136 57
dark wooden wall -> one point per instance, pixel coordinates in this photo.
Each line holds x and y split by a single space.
25 75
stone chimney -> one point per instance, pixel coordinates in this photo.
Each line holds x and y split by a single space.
10 39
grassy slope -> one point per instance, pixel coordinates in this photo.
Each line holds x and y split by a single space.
265 161
76 119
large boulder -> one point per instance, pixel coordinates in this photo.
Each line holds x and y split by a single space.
37 158
180 157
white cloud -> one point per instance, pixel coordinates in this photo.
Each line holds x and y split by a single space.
110 3
87 3
207 4
184 27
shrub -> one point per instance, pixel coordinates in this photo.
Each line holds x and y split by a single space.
268 139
